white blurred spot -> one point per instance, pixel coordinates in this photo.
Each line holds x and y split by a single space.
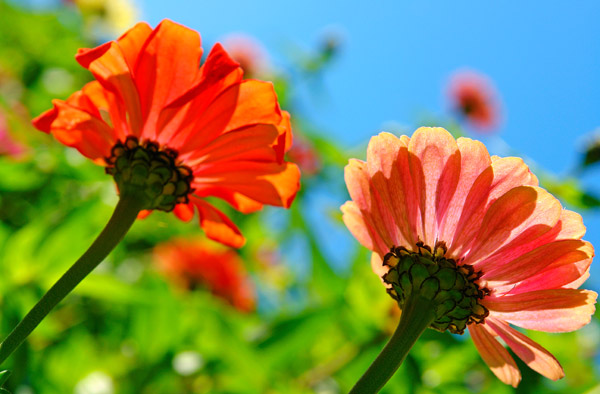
96 382
188 362
327 386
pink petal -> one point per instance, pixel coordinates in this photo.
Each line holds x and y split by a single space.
514 220
359 187
557 253
386 189
495 355
475 159
353 219
557 310
503 175
435 168
377 265
535 356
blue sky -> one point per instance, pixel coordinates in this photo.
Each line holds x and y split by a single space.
544 58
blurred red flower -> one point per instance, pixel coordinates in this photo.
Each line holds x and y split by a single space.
224 136
305 155
473 97
201 263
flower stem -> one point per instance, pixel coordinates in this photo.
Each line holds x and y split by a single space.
417 315
120 222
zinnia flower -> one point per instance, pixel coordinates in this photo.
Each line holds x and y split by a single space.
477 236
193 263
178 131
473 97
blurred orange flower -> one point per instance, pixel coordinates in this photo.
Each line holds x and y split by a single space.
225 137
432 198
193 263
473 97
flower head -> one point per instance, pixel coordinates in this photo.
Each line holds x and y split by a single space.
473 97
193 263
177 132
477 236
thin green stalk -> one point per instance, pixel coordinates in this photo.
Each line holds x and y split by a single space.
417 315
120 222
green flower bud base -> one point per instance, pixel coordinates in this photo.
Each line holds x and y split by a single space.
146 170
452 287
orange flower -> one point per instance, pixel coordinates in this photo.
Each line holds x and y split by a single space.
435 207
473 97
215 133
193 263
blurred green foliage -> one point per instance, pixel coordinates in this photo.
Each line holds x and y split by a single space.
126 329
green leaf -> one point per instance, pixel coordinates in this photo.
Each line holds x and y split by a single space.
4 375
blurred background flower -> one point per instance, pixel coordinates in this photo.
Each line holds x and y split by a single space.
201 263
474 100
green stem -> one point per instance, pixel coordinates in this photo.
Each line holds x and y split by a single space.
417 315
120 222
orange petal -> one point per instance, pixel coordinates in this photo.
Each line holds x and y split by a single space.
535 356
435 168
285 140
257 103
110 68
518 217
184 212
217 225
132 42
177 121
246 103
144 213
267 183
556 310
166 69
495 355
248 143
74 127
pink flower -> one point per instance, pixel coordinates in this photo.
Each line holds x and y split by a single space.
473 97
432 195
8 146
